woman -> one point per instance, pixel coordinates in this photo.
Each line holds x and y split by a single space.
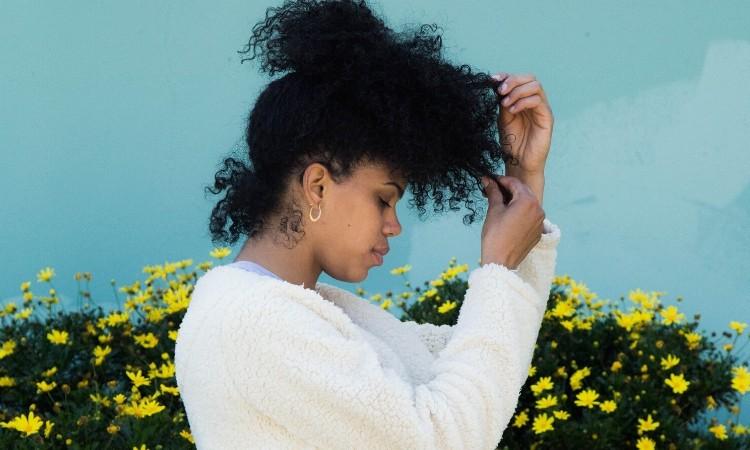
267 356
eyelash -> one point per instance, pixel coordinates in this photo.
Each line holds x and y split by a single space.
384 203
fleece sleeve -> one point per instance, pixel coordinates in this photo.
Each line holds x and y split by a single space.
537 269
434 337
326 386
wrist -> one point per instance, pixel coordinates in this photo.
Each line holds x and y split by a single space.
533 179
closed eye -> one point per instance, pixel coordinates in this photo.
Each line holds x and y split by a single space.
384 202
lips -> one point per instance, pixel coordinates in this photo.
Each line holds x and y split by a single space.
379 254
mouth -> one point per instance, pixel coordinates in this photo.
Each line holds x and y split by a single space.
379 256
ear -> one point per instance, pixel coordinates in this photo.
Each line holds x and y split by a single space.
314 183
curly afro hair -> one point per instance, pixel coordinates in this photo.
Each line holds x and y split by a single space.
356 91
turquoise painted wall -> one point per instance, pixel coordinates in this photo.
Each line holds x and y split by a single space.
114 116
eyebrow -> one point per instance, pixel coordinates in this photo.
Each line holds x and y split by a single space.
400 190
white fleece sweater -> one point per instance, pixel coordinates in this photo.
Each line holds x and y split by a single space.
263 363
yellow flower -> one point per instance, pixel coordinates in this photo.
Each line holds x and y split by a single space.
43 386
146 340
521 419
692 339
710 402
7 348
172 334
438 282
739 430
544 383
220 252
401 270
169 389
719 431
143 408
671 315
616 366
669 362
137 378
532 370
386 304
100 353
608 406
23 314
563 309
543 423
100 399
58 337
677 383
447 306
45 274
562 415
119 399
112 428
647 425
25 286
187 435
578 375
25 424
645 443
48 424
177 299
49 372
166 370
741 379
587 398
6 381
568 324
739 327
546 402
115 318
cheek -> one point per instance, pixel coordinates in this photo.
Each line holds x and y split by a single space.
354 227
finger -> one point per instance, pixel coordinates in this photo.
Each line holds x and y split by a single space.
514 186
521 91
514 80
492 191
526 103
500 76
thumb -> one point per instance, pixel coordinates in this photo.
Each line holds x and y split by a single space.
492 191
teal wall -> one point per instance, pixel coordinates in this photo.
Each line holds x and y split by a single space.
114 116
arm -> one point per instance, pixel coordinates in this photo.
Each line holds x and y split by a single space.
434 337
537 269
325 385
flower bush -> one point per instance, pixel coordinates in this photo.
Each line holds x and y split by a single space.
90 378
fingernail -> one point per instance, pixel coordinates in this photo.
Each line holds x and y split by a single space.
503 88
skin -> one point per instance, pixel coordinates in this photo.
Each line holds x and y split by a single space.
352 222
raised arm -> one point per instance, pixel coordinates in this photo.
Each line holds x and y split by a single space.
537 269
325 385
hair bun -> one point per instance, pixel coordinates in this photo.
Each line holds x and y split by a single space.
333 39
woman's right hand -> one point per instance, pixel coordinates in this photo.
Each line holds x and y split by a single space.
514 225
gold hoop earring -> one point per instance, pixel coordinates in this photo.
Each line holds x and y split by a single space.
320 212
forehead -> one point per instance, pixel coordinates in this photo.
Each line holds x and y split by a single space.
381 173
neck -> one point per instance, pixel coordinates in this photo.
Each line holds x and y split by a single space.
296 265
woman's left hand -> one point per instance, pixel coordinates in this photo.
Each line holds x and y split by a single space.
525 121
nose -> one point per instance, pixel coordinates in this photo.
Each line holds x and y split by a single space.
393 228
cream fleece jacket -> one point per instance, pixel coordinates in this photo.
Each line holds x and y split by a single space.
263 363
